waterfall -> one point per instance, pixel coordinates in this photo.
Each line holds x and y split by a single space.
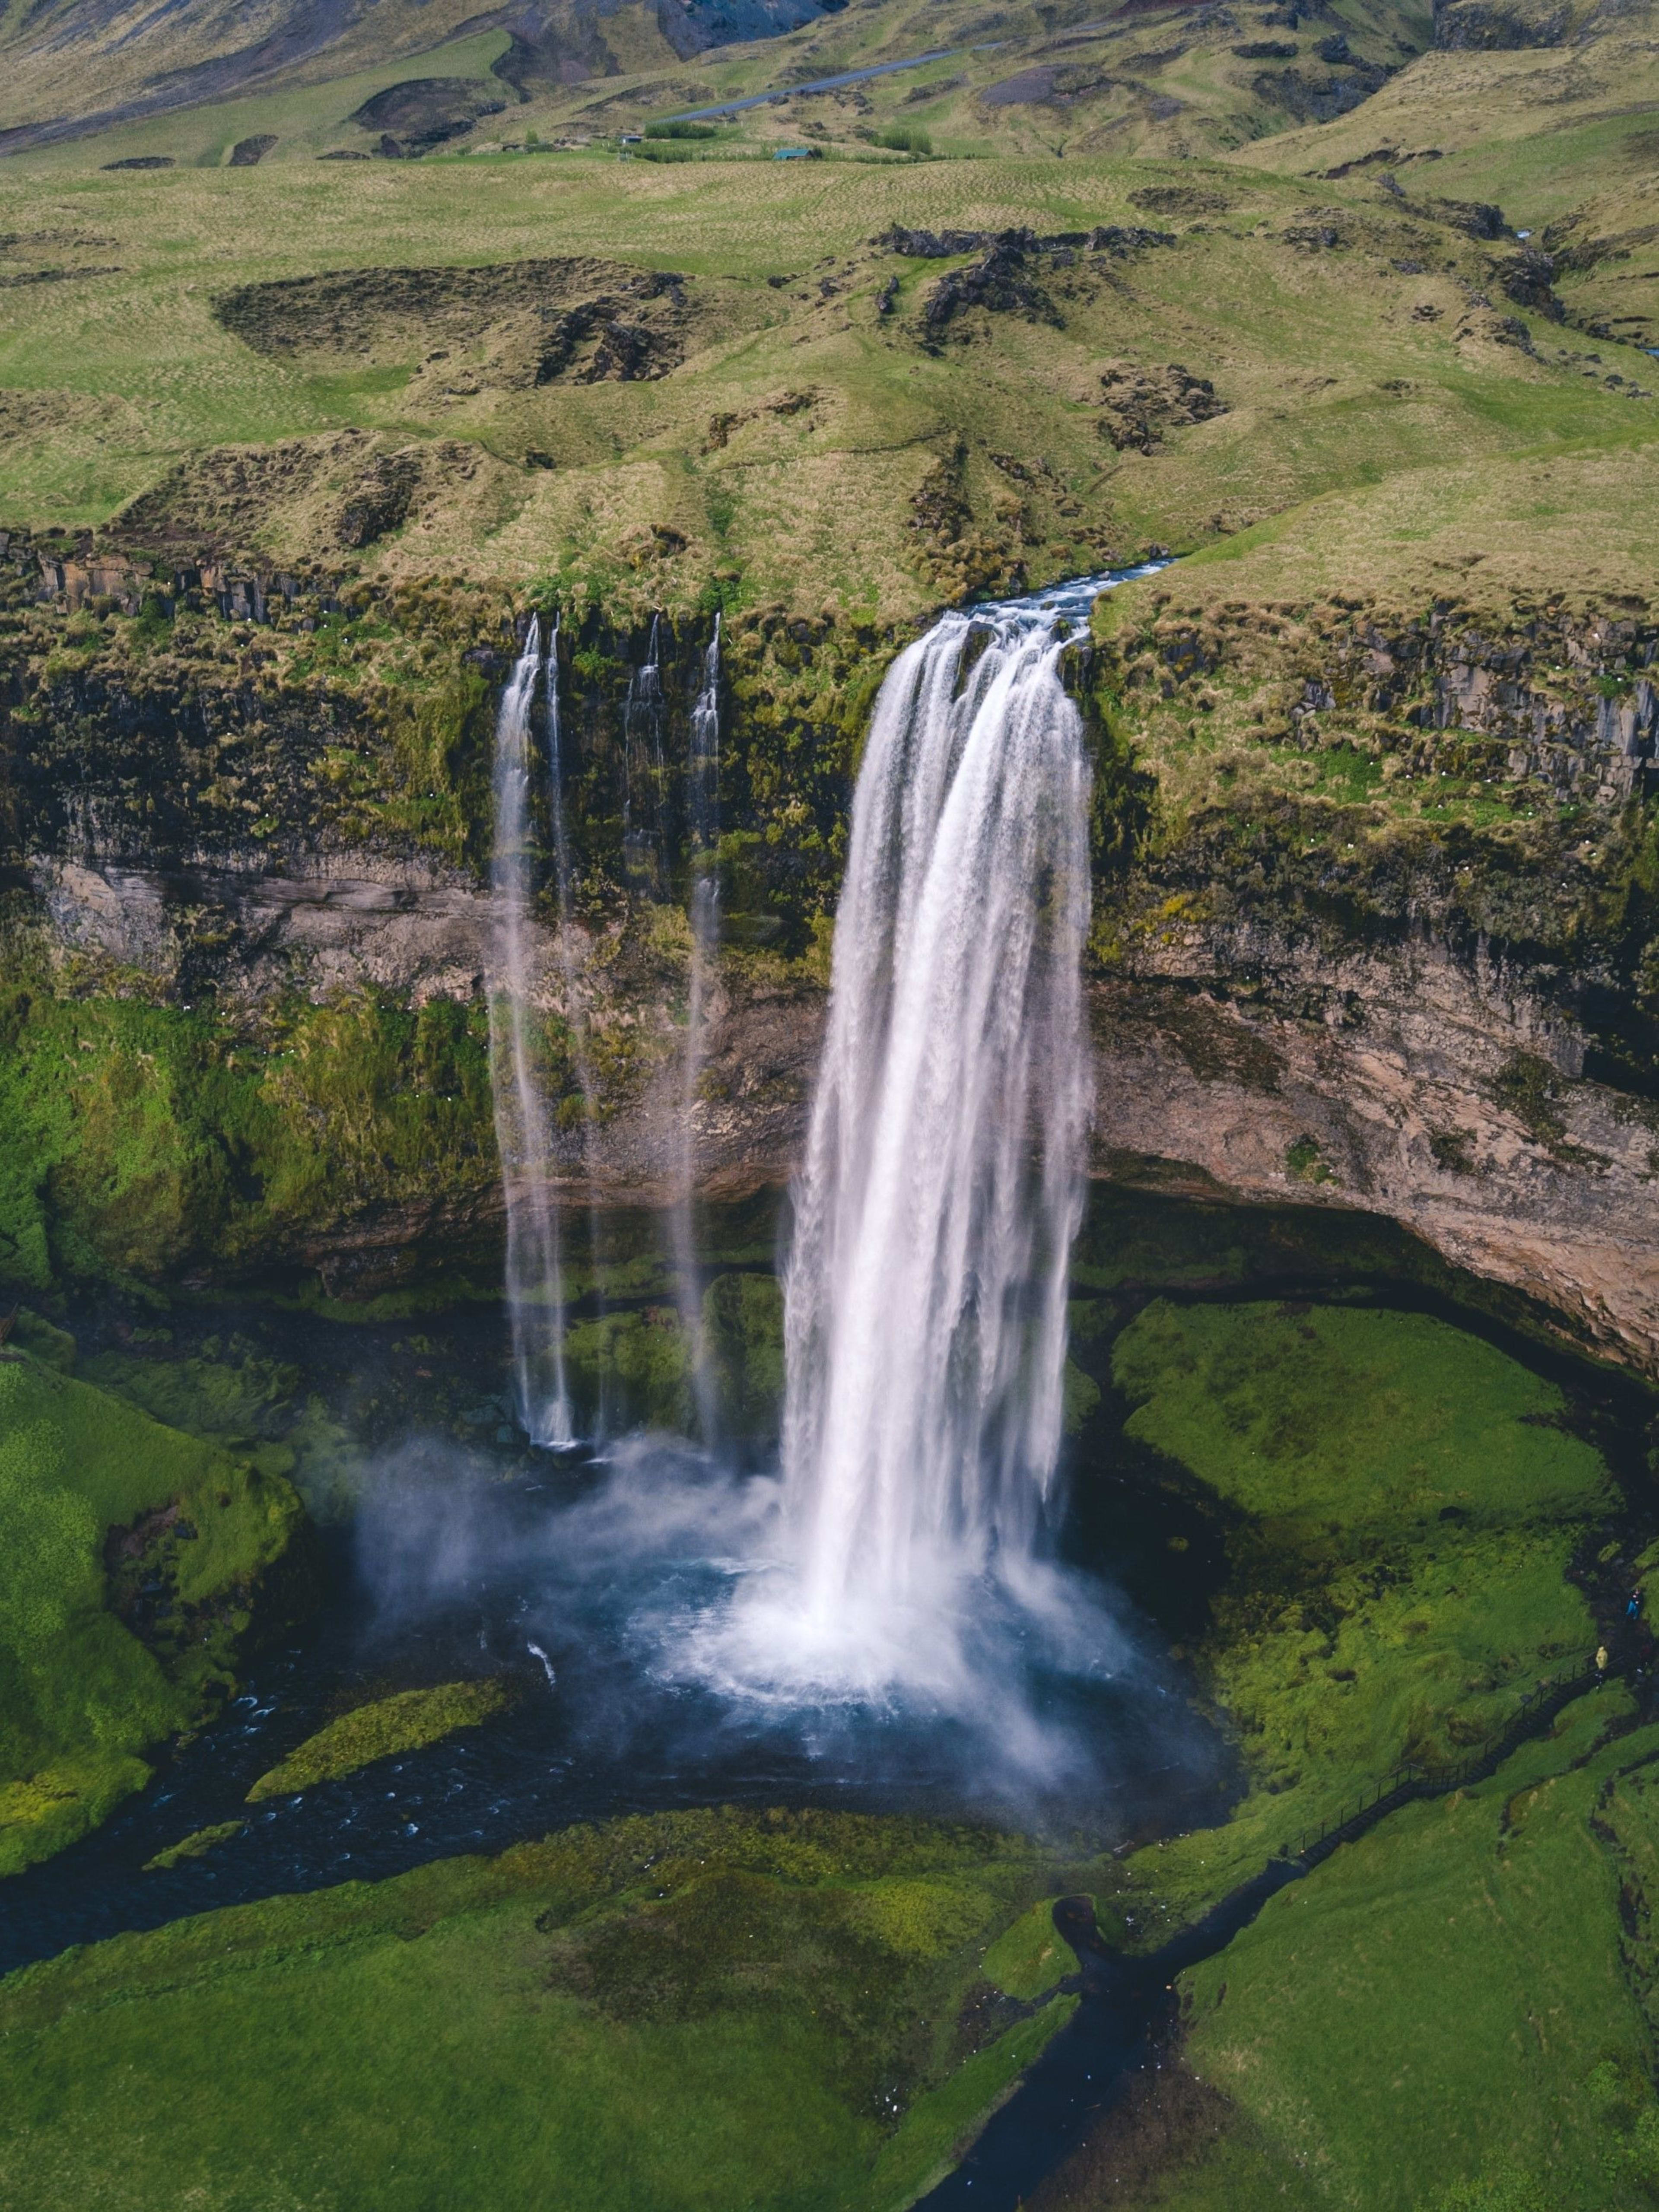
926 1288
703 812
535 1289
643 769
575 1012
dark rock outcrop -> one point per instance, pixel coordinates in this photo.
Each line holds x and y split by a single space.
1139 404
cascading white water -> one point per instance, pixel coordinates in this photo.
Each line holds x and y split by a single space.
702 811
575 1012
926 1288
535 1287
644 856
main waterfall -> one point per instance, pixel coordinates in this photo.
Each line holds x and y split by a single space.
925 1287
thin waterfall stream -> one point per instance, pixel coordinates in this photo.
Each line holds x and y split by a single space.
574 1007
535 1280
702 822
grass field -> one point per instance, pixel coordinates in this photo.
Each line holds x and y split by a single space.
805 440
1421 2024
1456 2013
703 2010
1406 1505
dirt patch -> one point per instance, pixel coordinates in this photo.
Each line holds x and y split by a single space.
1007 279
1484 327
379 500
54 415
985 2014
304 496
952 550
721 426
1167 2120
1002 281
425 112
930 245
1306 98
573 320
1028 89
53 276
1180 200
140 1569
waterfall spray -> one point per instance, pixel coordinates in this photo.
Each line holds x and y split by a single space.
926 1289
535 1288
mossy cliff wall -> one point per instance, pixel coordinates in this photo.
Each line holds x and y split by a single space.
1393 940
245 917
1377 921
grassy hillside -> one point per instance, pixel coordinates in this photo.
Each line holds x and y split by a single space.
193 82
821 410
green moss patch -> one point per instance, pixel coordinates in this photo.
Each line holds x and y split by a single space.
195 1846
145 1137
406 1722
1402 1501
1028 1960
705 2009
1337 1427
131 1559
233 1394
1444 2015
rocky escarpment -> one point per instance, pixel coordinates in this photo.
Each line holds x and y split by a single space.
247 933
1397 946
1572 705
1377 922
1440 1090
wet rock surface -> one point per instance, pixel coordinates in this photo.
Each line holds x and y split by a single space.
1403 1083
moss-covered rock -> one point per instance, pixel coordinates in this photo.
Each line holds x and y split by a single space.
195 1845
134 1562
409 1720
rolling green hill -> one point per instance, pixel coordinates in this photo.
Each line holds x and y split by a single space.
200 80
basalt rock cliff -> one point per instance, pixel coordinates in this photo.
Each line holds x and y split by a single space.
248 926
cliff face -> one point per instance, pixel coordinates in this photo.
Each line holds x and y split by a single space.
1414 1083
248 929
1436 1088
1395 943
